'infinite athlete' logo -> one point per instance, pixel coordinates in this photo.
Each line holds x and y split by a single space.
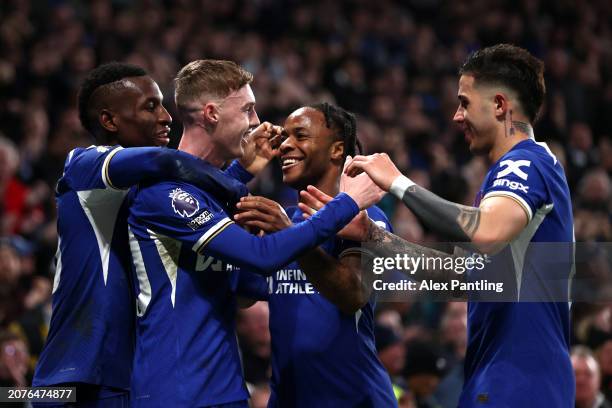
183 203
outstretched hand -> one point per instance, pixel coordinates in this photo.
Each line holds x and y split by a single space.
260 146
378 166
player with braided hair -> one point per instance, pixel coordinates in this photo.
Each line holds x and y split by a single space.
322 291
344 124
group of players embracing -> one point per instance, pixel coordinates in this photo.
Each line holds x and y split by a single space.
156 245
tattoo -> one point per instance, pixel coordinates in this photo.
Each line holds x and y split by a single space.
455 222
523 127
506 126
382 243
468 219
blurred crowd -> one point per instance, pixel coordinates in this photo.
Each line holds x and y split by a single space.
393 63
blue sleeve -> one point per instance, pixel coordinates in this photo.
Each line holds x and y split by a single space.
196 219
127 167
84 168
236 171
518 176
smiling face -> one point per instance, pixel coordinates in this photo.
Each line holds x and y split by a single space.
237 117
310 152
476 115
140 117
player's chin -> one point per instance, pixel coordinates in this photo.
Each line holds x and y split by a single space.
160 140
291 179
238 152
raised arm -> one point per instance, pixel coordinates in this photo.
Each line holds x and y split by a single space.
497 221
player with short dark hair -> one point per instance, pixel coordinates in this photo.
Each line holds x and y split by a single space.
321 308
185 247
517 352
514 68
90 343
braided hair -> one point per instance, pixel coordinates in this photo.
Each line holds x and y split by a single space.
344 125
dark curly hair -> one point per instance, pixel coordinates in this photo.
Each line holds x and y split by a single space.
344 125
512 67
103 75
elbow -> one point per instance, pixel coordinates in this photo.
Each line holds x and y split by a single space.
488 242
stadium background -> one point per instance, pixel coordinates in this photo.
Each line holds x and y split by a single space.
393 63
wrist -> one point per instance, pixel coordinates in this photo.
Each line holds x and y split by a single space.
369 232
400 185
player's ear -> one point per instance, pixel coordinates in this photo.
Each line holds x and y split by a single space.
107 120
337 151
501 107
211 113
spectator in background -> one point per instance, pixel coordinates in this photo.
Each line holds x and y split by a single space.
603 352
10 273
423 369
453 337
14 367
392 354
14 364
588 379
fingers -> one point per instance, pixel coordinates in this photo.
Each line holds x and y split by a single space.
347 161
306 210
257 202
246 216
319 195
310 200
355 168
256 207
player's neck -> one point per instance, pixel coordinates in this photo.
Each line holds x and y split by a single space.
329 183
197 142
508 137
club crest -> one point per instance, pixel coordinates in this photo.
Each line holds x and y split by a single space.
183 203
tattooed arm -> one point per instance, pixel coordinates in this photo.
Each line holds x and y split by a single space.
497 221
376 242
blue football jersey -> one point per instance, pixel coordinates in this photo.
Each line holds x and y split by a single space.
184 247
90 337
322 357
517 353
186 349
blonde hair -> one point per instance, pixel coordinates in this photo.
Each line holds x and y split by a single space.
203 80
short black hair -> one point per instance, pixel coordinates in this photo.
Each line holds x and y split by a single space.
513 67
100 76
344 125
